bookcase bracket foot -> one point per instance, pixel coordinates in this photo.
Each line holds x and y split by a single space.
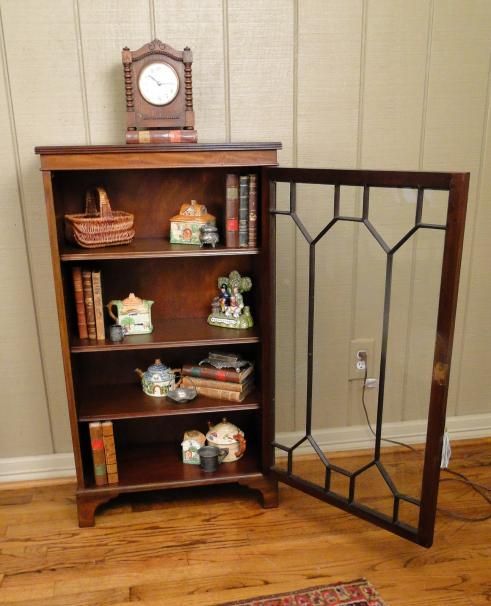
267 487
86 507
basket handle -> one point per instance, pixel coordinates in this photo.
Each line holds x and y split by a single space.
97 203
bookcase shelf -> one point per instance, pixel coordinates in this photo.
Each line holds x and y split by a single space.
171 333
152 182
127 401
149 248
157 466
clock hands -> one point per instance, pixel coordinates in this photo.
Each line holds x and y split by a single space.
155 80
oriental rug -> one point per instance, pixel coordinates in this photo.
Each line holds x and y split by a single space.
354 593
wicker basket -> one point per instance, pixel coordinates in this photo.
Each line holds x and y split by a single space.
99 225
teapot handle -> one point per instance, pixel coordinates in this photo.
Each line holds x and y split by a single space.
109 306
242 444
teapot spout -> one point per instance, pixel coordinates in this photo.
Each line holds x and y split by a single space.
139 372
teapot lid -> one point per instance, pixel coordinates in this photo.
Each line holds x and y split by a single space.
223 432
193 211
132 301
157 366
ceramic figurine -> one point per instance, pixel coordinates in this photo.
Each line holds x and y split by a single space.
229 436
193 440
157 380
134 315
185 227
228 309
208 234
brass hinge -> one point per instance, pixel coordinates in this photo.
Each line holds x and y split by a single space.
440 373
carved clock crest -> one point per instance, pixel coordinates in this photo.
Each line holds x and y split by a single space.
159 94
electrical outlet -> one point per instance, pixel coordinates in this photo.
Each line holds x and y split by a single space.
356 363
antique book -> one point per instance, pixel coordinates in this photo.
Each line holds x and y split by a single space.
232 211
224 374
98 305
224 394
162 136
79 302
110 452
253 210
89 303
199 381
98 453
243 211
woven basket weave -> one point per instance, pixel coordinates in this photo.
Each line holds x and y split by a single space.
99 225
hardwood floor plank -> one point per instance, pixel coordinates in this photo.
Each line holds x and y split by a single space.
205 547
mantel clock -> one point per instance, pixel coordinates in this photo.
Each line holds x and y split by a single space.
158 87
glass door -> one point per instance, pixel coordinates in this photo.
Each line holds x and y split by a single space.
367 270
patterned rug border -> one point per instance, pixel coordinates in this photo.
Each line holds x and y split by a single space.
293 593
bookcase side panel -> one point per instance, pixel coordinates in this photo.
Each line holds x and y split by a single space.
62 319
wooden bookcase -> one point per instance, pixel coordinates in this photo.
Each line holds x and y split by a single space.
152 181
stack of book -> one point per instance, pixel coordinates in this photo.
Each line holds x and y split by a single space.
88 303
241 211
219 384
103 452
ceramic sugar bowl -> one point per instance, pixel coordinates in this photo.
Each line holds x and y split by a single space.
157 380
227 436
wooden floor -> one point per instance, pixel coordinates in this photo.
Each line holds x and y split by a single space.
206 547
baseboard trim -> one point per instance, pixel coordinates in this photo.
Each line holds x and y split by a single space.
45 467
413 432
41 467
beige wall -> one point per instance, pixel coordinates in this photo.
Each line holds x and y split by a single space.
342 83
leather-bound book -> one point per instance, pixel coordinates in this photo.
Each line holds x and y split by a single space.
162 136
253 210
98 306
98 453
232 211
218 374
89 303
243 211
79 302
110 452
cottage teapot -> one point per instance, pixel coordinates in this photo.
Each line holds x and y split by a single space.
133 314
157 380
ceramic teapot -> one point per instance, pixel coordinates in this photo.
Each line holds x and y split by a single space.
133 314
157 380
229 436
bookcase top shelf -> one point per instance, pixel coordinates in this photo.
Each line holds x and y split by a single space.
172 333
148 248
127 401
178 155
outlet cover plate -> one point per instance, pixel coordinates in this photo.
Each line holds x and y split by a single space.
357 345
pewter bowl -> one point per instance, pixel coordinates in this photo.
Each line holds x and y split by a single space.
182 394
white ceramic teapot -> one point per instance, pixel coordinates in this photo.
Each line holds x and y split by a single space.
228 436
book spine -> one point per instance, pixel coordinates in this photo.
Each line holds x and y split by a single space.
98 305
89 303
222 394
253 211
161 136
243 211
98 453
79 302
211 373
232 211
110 452
198 381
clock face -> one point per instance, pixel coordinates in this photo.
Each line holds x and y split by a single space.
158 83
